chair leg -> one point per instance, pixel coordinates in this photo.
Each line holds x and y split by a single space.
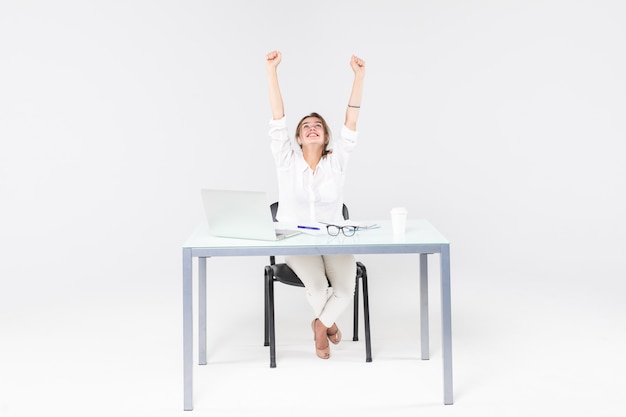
269 288
266 341
355 324
366 316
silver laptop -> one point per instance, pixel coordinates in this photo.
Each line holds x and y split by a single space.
241 214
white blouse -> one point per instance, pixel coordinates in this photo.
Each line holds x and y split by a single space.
305 195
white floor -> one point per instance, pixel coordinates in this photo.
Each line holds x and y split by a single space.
522 346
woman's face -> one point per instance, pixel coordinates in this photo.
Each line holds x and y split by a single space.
312 132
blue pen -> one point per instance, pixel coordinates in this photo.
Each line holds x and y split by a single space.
308 227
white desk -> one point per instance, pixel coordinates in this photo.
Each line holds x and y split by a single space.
421 238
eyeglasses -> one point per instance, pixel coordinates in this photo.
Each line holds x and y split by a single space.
334 230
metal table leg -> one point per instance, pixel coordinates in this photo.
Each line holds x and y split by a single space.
446 324
187 329
424 305
202 311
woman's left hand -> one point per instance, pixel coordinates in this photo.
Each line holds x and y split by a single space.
357 65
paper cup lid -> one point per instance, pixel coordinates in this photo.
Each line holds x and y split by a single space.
398 210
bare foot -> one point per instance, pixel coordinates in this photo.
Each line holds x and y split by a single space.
322 348
334 334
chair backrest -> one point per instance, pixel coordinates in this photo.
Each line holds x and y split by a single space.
274 209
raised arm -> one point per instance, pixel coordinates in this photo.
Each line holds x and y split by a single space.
276 100
354 104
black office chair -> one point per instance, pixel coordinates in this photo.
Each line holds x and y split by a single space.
282 273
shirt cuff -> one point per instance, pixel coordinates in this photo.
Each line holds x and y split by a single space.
280 123
348 134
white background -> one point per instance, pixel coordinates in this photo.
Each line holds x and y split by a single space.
500 122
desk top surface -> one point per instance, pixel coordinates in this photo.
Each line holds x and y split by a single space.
418 232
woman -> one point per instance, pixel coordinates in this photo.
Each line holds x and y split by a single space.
310 185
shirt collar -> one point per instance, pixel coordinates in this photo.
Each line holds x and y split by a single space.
302 166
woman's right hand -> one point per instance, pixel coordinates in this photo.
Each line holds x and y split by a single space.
276 99
272 59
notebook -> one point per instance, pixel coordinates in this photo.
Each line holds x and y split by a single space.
241 214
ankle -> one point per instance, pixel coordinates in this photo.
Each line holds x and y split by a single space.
319 326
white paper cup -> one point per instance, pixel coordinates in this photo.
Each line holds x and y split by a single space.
398 220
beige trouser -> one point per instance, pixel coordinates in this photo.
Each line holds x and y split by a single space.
313 270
